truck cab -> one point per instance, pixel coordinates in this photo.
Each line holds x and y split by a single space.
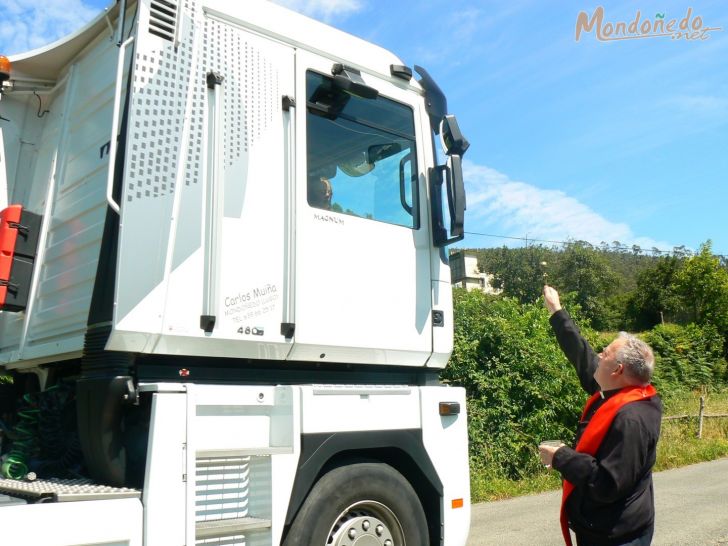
226 298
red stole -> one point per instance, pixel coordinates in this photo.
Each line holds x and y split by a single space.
595 432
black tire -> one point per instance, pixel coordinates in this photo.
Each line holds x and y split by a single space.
371 499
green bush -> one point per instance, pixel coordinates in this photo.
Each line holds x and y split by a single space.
687 357
521 389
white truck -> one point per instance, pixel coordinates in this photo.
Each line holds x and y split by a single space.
224 290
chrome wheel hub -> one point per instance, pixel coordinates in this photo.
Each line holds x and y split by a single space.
366 523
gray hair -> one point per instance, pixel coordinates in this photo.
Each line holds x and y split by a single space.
637 358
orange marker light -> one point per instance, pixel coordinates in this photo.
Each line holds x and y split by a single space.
457 503
4 68
449 408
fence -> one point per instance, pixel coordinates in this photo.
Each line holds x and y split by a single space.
701 416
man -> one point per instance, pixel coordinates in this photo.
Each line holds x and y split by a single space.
608 496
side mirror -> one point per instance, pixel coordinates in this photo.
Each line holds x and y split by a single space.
451 175
453 141
454 145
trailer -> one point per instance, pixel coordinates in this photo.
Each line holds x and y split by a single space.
225 297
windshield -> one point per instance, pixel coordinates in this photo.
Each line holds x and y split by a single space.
361 154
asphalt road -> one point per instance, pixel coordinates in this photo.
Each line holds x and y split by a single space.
691 505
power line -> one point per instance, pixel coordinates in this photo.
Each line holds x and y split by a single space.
516 238
615 247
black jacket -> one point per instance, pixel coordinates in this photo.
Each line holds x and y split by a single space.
613 499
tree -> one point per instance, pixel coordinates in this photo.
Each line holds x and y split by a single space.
520 272
585 271
655 299
703 285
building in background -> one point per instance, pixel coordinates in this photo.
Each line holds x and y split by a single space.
465 273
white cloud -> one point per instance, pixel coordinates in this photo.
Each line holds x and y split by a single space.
498 205
27 24
702 105
325 10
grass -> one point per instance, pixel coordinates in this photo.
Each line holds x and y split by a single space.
484 487
689 402
678 446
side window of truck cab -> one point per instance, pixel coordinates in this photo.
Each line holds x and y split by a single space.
361 154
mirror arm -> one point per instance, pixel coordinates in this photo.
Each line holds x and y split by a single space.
435 100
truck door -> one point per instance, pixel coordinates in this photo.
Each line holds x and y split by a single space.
362 270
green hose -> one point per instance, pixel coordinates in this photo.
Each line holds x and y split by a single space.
25 441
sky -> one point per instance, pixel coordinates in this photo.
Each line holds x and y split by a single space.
597 140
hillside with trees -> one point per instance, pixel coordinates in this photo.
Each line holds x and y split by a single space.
618 288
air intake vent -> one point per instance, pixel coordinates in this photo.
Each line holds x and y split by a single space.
163 19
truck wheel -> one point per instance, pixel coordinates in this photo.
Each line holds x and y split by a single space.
364 504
